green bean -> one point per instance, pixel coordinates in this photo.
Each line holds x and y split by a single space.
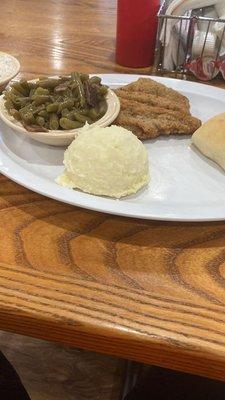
69 115
16 101
65 112
20 88
95 79
48 83
32 91
83 111
53 107
41 91
93 114
44 114
40 99
40 121
25 84
23 100
53 121
89 120
14 92
9 105
27 116
66 104
79 117
74 86
66 123
76 115
103 89
6 95
37 109
84 77
103 108
32 85
75 77
67 94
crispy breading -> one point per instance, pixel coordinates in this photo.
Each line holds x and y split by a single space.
137 108
150 127
150 109
147 85
152 100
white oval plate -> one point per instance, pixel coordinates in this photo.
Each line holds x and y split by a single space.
185 186
59 137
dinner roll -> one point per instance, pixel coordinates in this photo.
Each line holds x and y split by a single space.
210 139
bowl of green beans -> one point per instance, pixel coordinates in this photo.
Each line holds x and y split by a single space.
52 110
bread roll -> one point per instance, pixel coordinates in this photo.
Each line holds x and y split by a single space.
210 139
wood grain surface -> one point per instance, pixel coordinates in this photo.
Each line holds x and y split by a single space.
55 36
148 291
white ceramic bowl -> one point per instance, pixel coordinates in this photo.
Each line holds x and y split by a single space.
9 67
60 137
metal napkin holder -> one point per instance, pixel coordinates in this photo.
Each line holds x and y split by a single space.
191 20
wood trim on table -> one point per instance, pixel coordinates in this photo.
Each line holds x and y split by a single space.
76 312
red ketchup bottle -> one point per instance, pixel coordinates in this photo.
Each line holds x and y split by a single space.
136 32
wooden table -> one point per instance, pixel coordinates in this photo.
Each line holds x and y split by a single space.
148 291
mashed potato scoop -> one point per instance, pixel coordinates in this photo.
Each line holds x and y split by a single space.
106 161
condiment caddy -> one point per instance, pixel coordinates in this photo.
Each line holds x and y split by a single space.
191 43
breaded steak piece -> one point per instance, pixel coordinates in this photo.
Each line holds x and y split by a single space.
150 109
